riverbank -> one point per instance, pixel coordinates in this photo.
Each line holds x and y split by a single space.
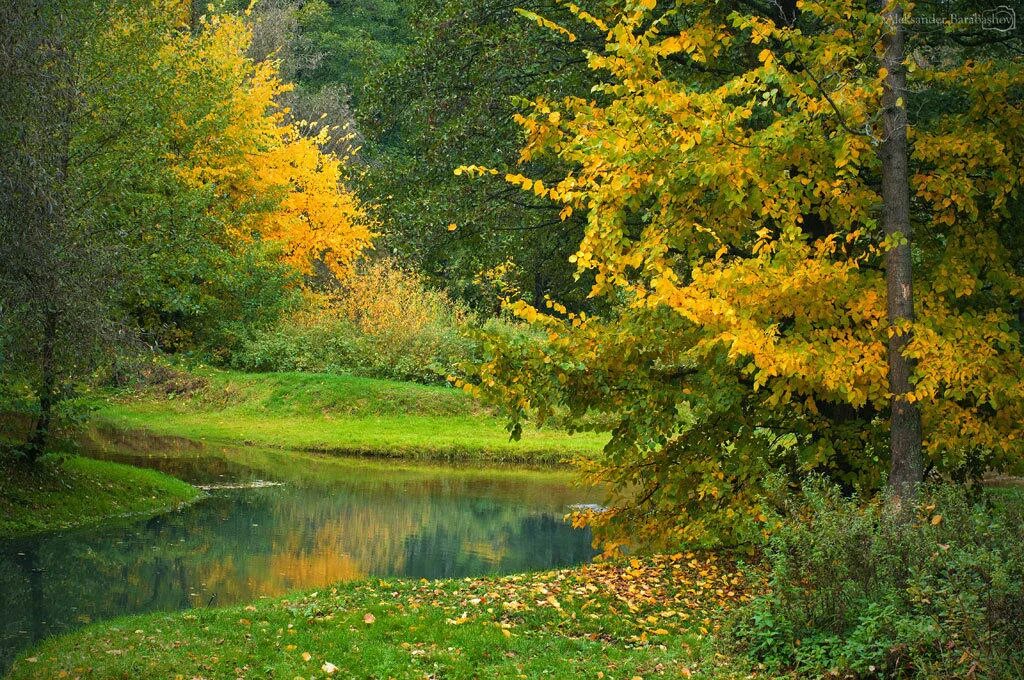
63 492
336 414
644 618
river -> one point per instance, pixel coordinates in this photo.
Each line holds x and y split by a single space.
274 521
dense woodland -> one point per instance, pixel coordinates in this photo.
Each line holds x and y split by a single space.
772 250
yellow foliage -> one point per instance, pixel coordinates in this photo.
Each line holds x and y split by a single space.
804 317
734 224
382 299
280 185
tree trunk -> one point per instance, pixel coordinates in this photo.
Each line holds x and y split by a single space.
538 290
907 468
47 390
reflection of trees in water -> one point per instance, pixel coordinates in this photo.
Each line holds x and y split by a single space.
201 462
21 584
525 543
235 546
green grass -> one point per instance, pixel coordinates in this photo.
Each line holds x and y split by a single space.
648 618
339 414
62 492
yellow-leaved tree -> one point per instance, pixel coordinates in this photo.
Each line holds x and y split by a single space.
808 216
276 181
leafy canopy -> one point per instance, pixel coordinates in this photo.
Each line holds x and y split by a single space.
727 164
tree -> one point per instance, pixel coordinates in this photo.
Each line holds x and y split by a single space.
749 198
907 463
152 183
278 183
55 270
451 100
251 198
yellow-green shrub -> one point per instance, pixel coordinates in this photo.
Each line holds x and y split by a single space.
382 321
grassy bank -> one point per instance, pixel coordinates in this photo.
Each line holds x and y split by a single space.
335 414
647 619
65 492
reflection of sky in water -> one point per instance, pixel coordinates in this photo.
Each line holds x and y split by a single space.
331 520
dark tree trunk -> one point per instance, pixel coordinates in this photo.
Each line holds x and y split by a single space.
538 290
47 390
907 469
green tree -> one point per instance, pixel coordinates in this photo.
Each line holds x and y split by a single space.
58 263
452 100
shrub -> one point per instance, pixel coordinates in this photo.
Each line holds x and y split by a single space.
382 322
148 372
854 591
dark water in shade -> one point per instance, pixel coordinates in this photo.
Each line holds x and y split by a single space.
330 519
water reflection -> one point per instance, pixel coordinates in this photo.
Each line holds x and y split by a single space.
331 520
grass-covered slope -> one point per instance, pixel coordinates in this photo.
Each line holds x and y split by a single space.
647 619
63 492
337 414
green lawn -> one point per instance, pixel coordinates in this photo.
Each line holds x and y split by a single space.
647 619
339 414
64 492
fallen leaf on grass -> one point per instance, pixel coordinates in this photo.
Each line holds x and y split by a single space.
369 618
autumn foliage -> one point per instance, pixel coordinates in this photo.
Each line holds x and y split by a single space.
379 320
728 167
279 185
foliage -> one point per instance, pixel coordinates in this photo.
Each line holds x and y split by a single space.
153 183
246 145
58 263
350 39
450 100
639 619
181 276
728 169
380 321
855 591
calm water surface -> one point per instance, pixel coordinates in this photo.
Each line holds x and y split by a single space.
325 520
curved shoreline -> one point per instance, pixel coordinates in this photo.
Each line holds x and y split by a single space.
83 492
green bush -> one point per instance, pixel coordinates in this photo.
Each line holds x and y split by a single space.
381 321
852 590
339 346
